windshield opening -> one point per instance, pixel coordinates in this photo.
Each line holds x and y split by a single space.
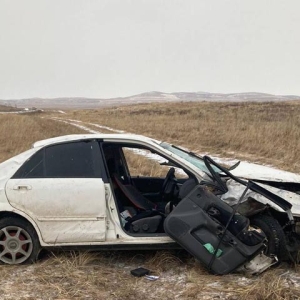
191 157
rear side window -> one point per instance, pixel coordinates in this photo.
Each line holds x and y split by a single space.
70 160
33 167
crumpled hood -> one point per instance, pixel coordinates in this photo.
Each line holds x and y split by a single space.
235 190
258 172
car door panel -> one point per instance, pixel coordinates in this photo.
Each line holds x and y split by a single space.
194 229
67 210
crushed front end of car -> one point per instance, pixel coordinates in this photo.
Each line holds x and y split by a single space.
224 238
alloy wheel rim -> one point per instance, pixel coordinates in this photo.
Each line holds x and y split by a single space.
15 245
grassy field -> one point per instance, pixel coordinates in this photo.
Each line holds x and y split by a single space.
265 132
19 132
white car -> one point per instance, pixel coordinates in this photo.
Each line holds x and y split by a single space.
123 191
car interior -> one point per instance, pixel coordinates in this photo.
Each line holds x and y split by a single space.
145 186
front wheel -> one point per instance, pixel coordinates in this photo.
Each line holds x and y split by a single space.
18 242
276 244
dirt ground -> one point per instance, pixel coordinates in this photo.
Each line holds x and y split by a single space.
106 275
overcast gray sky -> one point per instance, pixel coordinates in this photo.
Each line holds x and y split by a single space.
109 48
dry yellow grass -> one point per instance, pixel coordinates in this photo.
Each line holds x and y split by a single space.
106 275
140 165
19 132
83 275
264 132
275 284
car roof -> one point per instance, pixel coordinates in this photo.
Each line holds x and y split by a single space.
78 137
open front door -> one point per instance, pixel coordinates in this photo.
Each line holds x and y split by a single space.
198 224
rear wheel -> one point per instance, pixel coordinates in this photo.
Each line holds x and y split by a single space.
276 238
18 241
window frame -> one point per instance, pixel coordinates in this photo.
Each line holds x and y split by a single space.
96 157
142 146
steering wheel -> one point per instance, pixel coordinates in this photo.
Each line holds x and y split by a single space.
170 175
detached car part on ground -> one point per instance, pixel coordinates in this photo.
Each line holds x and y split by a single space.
83 191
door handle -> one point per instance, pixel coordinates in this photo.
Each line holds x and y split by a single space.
22 187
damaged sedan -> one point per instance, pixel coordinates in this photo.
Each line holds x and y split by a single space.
123 191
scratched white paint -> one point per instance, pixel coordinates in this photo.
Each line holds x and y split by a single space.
235 190
65 209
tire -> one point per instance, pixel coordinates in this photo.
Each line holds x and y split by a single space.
19 242
276 244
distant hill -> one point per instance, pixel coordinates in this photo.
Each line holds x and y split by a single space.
80 102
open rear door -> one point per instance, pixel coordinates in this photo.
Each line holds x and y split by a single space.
192 225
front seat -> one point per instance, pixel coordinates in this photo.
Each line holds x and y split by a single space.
149 219
134 195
